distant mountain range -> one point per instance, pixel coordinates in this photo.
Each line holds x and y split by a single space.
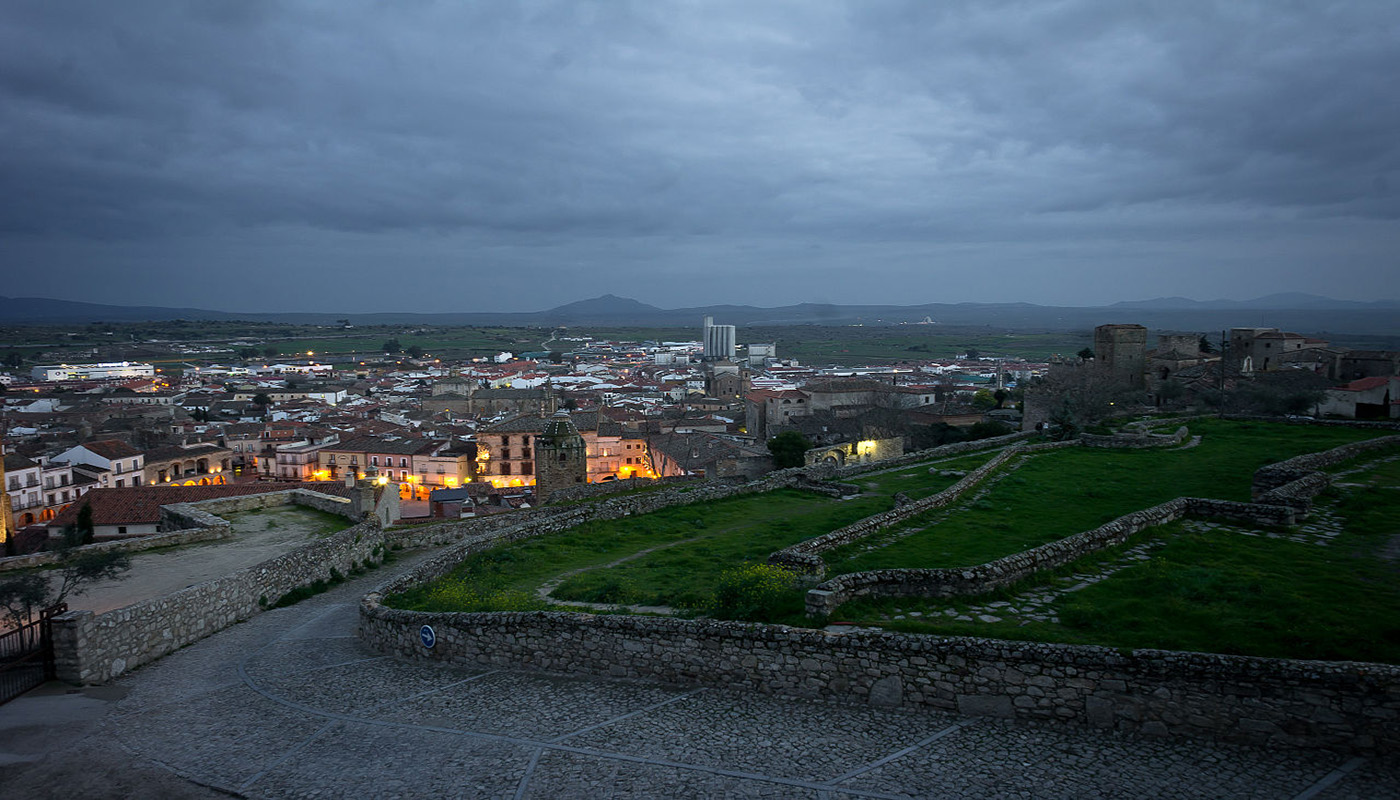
1292 311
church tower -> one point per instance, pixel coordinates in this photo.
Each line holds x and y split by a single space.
561 457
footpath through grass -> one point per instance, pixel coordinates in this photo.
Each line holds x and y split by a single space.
1062 492
699 542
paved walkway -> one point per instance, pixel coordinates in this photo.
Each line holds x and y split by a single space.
289 704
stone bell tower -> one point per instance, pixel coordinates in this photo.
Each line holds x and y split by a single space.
561 457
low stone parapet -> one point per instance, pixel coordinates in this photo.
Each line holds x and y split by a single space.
1273 476
1137 440
1256 701
95 648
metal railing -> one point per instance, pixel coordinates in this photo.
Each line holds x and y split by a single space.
26 654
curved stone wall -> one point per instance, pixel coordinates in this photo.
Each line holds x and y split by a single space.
1343 706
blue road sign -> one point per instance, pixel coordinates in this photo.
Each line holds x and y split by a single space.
427 636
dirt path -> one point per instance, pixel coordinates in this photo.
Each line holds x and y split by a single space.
547 588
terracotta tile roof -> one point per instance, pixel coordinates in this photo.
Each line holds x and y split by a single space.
112 448
177 452
141 505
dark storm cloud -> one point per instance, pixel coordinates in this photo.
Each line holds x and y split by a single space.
616 147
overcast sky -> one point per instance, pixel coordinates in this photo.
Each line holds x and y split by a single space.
391 156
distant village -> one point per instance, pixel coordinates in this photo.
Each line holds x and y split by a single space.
486 435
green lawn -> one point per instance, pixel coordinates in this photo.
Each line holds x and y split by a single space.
1062 492
1210 591
697 543
1221 592
917 482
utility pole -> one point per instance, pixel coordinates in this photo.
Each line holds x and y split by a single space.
1224 345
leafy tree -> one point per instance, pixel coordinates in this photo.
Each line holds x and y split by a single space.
570 404
1087 354
983 400
262 399
788 449
973 353
414 351
392 346
1206 346
556 356
1000 395
270 352
13 359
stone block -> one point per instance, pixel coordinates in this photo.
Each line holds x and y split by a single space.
1100 712
986 705
888 691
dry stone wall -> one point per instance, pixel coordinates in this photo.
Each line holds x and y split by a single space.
1273 476
803 556
934 454
983 578
590 490
1342 706
609 508
1348 707
1135 440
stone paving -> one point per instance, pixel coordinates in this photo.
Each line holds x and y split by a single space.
289 704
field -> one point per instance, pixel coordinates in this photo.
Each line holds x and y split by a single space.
1191 585
156 342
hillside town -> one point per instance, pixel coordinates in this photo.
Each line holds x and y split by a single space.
459 438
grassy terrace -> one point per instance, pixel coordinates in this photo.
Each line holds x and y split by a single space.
1220 591
1062 492
1213 591
685 550
673 556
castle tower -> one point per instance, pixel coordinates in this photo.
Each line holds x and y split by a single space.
561 457
1121 350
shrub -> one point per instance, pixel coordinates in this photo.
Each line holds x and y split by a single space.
753 592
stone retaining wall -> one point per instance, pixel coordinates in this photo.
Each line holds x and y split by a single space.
993 575
1272 476
1342 706
935 453
803 557
1136 440
590 490
95 648
610 508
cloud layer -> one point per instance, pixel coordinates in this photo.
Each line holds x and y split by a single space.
367 156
